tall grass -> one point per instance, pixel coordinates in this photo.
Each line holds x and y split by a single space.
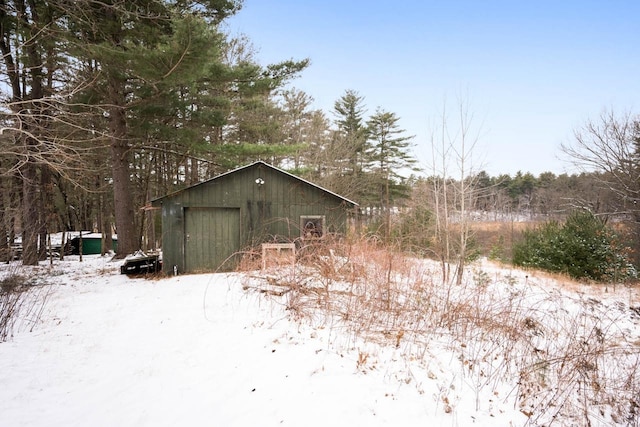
21 303
566 356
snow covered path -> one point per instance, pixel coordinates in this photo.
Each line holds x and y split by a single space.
192 350
216 350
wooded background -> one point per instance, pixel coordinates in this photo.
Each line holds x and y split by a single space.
107 104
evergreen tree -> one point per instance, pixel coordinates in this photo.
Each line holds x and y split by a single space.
137 53
296 123
32 154
159 73
583 247
317 156
387 156
349 145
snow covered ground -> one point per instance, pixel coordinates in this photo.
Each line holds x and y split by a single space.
232 350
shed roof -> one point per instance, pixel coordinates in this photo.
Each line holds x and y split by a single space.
259 162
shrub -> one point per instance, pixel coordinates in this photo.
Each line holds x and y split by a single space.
583 247
412 229
11 292
22 302
12 283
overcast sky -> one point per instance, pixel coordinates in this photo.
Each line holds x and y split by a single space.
531 72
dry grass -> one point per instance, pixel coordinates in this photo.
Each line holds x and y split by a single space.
497 238
21 303
563 349
503 226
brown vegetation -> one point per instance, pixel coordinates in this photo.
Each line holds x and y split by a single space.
506 326
498 237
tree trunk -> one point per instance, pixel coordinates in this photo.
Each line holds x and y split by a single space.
5 216
123 203
30 214
45 210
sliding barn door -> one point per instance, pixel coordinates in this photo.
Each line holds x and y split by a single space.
212 237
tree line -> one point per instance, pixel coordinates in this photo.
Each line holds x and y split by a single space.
602 200
109 104
524 196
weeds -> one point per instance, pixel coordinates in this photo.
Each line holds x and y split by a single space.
568 356
21 304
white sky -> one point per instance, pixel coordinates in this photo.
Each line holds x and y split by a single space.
531 72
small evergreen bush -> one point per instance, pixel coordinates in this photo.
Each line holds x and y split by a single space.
583 247
413 230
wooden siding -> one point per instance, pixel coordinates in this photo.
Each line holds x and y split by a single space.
268 212
212 236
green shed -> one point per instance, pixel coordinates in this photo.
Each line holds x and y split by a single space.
91 244
204 226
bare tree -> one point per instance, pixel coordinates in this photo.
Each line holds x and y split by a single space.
610 146
454 189
35 121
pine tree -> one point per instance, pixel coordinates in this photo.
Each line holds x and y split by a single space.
158 70
138 55
31 66
388 155
349 145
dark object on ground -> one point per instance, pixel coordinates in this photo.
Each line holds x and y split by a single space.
141 264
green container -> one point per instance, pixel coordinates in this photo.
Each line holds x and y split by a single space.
91 244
